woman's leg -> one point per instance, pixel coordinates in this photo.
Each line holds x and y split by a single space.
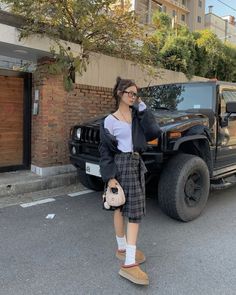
132 235
119 230
119 223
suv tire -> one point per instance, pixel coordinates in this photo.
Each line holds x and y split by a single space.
184 187
90 181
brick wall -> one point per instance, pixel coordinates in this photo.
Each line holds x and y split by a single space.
58 111
85 102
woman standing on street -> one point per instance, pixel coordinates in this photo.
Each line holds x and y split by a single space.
123 138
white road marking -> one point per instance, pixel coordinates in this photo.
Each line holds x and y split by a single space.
81 193
25 205
50 216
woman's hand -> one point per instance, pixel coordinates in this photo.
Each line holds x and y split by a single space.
112 182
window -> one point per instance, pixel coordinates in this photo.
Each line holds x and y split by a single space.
179 97
173 13
228 134
163 8
199 19
199 3
183 17
184 2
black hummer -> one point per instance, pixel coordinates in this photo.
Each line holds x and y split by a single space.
197 148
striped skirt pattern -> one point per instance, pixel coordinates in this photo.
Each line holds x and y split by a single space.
131 170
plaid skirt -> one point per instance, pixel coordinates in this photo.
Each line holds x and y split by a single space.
131 170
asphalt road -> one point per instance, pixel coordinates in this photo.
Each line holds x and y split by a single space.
73 253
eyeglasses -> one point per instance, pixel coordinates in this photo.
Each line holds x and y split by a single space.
131 94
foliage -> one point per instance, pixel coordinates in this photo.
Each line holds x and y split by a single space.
213 49
156 38
227 65
193 53
167 97
161 21
99 26
104 26
173 49
178 54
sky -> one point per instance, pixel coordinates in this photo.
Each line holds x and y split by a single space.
220 9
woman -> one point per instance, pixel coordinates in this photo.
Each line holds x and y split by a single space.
123 138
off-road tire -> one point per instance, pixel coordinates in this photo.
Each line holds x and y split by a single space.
90 181
184 187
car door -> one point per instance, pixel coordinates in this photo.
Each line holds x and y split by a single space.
226 149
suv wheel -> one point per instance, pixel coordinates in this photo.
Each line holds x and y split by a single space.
90 181
184 187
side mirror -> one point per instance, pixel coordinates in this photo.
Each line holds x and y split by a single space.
231 107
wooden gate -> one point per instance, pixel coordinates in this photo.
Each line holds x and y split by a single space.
15 106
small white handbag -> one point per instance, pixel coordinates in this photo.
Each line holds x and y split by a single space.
113 197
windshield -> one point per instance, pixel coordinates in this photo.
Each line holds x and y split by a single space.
179 96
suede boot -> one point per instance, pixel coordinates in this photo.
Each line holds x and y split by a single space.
134 274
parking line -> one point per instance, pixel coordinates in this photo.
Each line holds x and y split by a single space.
25 205
81 193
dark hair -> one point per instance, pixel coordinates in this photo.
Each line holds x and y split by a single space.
121 85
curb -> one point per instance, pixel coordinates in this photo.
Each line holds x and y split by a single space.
43 183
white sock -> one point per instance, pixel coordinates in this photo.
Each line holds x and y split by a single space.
121 242
130 254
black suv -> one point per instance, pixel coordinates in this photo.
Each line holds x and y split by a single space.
197 149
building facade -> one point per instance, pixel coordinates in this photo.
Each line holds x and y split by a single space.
223 27
185 12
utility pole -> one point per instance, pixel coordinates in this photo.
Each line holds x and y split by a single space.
122 3
149 11
174 24
226 29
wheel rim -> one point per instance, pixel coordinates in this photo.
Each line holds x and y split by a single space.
192 189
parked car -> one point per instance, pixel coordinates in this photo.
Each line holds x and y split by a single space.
197 149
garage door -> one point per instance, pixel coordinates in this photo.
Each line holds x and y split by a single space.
13 122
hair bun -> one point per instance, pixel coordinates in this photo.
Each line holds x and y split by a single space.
118 79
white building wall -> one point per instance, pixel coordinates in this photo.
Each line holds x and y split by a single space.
223 29
103 70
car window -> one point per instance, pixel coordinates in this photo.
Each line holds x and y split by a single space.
228 96
179 96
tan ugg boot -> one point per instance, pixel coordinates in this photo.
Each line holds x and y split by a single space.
139 256
134 274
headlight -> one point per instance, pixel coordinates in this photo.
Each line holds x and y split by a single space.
174 134
73 150
153 142
78 133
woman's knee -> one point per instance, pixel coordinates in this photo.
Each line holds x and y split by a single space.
135 220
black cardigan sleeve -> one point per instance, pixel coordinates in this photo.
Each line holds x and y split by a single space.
107 164
148 123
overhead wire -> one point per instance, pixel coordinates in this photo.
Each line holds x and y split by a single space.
227 5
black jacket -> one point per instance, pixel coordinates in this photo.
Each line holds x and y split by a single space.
144 128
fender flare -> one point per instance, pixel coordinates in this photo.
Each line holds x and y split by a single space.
204 153
188 138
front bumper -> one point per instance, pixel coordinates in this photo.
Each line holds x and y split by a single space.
79 160
152 159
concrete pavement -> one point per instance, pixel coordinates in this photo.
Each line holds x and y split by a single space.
73 253
25 181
